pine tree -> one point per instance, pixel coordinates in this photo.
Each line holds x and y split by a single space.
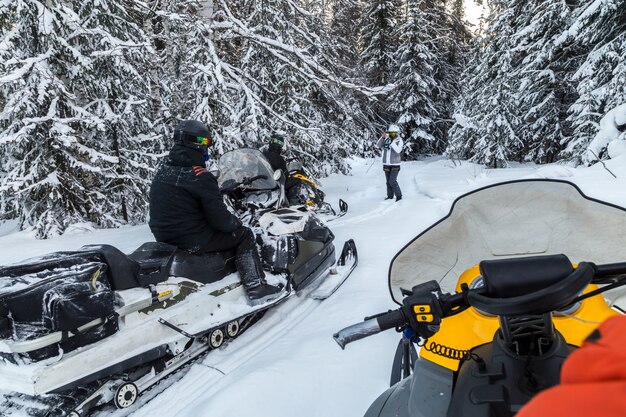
73 115
345 30
380 41
429 65
487 120
191 72
286 80
598 35
541 71
560 68
379 52
413 98
120 96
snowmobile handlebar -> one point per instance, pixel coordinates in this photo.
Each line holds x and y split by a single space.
425 306
371 326
422 310
246 181
608 270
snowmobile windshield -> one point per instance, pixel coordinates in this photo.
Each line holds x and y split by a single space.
513 219
240 164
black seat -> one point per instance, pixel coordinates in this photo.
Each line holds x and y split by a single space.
155 260
123 271
204 267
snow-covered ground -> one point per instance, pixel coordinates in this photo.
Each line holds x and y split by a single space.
288 364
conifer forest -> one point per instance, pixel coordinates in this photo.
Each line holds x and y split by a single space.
90 90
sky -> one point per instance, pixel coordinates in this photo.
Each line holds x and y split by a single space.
473 11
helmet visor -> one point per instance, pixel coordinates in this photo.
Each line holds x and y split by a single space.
204 141
392 134
277 140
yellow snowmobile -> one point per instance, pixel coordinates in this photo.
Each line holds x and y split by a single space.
497 337
300 190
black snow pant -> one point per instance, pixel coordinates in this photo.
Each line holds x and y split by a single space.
246 258
391 175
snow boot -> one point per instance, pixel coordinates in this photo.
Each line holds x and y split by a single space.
263 293
398 198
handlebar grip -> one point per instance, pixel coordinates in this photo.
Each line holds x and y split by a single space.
248 181
610 269
369 327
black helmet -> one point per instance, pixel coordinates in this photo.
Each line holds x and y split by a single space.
277 139
193 134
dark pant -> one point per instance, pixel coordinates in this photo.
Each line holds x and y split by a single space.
391 175
246 259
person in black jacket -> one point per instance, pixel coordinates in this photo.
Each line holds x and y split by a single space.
187 210
273 152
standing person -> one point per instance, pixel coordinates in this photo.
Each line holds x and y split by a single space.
392 144
273 152
187 210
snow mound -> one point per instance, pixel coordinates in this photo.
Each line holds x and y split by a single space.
7 227
612 136
555 171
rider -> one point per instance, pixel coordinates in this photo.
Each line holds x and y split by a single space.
187 210
392 144
273 152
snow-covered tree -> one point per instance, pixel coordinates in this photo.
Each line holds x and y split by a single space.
429 65
598 35
192 85
74 114
120 97
487 118
380 40
379 53
610 141
345 31
541 70
559 67
285 79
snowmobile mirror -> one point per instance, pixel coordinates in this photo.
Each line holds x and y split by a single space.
277 175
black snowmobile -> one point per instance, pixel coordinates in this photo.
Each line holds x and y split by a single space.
80 329
500 335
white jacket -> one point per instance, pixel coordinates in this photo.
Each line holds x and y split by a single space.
391 156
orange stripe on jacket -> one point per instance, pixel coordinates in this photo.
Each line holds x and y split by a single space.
199 170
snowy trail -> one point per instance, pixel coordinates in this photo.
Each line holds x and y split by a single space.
287 364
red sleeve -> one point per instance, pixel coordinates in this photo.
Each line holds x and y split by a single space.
593 378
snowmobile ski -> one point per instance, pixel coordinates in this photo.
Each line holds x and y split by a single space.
346 263
343 209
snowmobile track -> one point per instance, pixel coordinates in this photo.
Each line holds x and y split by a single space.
220 367
61 405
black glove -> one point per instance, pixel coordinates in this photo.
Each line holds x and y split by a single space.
387 143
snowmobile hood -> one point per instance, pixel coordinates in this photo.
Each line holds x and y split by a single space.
511 219
239 164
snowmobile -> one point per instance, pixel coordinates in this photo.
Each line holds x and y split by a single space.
498 337
83 328
301 190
